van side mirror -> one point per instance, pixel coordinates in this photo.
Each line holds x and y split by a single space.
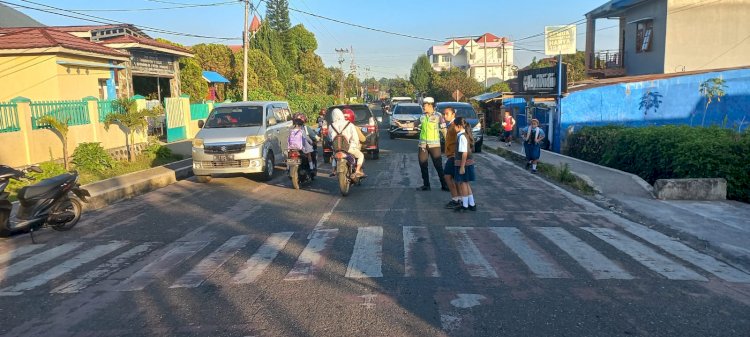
271 121
201 123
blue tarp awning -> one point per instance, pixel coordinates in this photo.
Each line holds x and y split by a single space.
214 77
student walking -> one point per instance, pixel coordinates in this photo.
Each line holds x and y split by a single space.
464 165
429 144
508 124
450 153
532 138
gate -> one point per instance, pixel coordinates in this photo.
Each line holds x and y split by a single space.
176 129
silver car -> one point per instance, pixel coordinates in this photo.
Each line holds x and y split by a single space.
243 137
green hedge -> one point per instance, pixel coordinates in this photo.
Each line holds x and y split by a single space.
663 152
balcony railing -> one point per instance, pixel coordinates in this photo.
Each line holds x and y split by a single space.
607 59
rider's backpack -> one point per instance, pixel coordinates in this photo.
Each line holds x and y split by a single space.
340 143
296 137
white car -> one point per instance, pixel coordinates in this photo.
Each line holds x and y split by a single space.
405 120
398 100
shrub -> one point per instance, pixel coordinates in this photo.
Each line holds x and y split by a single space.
92 157
158 151
495 129
664 152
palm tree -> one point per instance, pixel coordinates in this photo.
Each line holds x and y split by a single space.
61 129
133 120
710 89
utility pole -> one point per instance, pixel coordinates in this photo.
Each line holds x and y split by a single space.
485 61
244 47
504 40
341 53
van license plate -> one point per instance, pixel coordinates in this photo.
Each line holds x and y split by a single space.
408 129
224 157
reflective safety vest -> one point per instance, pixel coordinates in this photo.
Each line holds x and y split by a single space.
429 133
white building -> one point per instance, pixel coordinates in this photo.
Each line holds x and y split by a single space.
486 56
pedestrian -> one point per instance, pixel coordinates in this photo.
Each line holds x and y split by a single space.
449 114
508 124
532 138
429 144
464 170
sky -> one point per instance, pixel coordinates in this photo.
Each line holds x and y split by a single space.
385 55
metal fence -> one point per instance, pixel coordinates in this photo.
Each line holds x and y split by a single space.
107 108
198 111
74 112
9 117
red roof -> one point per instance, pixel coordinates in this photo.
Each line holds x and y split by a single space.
45 37
487 37
145 41
255 25
86 28
235 48
462 42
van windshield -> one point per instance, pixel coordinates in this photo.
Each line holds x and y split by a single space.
407 110
235 117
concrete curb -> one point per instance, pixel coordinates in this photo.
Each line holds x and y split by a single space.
580 176
109 191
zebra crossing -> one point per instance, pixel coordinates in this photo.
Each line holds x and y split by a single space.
667 258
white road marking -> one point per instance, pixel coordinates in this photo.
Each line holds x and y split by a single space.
16 252
541 266
589 258
707 263
465 301
208 266
645 255
104 270
411 234
63 268
311 258
162 265
324 219
367 258
476 264
37 259
262 258
368 301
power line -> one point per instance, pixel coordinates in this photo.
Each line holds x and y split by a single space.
361 26
155 8
98 19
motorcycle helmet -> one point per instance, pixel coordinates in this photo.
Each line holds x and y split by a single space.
349 115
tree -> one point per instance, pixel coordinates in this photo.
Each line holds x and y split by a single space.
401 87
191 79
710 89
448 81
499 87
133 120
277 15
59 127
420 75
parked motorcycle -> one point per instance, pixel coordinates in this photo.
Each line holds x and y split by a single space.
299 168
346 169
47 203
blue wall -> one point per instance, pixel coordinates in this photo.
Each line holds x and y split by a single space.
681 103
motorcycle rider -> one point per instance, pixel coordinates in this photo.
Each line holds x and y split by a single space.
308 141
344 124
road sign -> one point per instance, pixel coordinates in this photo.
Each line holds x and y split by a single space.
457 95
559 40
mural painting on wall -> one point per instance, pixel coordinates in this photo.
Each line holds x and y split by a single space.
651 99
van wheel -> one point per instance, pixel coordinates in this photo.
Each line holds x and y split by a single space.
267 173
203 179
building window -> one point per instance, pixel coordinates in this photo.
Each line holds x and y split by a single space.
435 58
446 59
644 35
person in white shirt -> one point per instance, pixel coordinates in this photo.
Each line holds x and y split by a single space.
532 144
350 132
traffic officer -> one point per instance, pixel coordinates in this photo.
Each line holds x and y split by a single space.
429 144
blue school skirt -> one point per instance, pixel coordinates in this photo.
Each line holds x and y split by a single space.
468 175
533 151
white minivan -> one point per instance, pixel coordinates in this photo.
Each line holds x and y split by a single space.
243 137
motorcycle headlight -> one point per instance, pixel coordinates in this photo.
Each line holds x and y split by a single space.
198 143
254 141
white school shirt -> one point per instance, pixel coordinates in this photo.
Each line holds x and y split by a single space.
463 143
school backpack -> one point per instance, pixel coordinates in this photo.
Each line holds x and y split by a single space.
295 139
340 143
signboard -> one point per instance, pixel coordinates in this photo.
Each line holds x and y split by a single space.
457 95
542 80
560 40
152 63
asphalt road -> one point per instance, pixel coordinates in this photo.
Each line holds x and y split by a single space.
237 257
